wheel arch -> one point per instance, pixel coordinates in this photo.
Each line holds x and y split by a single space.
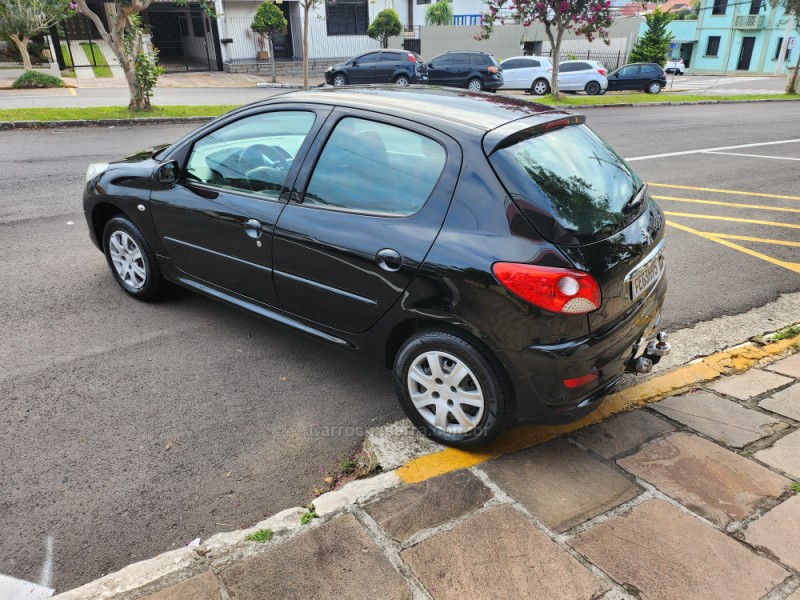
102 213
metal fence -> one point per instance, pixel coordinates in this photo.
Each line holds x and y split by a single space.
38 49
609 59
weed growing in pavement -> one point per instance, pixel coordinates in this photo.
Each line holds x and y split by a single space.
359 464
785 333
262 535
308 515
794 488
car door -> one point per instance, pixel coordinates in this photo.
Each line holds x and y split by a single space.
567 77
363 68
512 74
216 222
530 69
439 69
386 66
620 79
463 66
364 214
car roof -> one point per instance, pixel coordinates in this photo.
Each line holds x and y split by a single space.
526 56
435 107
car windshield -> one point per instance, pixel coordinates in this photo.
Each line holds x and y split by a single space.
570 184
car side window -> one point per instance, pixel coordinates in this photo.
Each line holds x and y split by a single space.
374 168
390 57
253 154
582 66
568 68
476 60
527 64
372 57
510 65
445 60
625 71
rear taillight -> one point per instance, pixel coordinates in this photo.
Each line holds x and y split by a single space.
602 72
492 69
558 290
411 58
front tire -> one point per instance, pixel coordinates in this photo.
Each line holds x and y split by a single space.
592 88
475 85
131 260
540 87
339 80
653 88
452 390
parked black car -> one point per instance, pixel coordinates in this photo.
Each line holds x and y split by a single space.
473 70
648 77
385 66
439 231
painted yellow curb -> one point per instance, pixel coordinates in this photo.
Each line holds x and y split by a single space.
678 380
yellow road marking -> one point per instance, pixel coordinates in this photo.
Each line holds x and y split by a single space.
734 219
673 382
792 266
747 238
728 204
72 91
735 192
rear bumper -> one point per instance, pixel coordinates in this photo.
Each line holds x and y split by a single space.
538 371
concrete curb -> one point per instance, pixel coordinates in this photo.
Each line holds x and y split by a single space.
8 125
148 576
283 86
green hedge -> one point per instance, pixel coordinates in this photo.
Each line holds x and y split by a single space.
32 79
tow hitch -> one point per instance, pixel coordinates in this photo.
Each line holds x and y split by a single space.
653 352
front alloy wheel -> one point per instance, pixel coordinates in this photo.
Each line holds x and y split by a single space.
452 389
133 263
339 80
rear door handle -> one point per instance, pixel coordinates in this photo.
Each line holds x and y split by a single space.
252 228
389 260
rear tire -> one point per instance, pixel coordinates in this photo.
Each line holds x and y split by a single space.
454 391
475 85
402 80
540 87
653 88
592 88
131 260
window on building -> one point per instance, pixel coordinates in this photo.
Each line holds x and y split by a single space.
755 7
423 1
712 49
719 8
347 17
778 50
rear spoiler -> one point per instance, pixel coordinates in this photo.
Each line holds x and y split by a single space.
516 131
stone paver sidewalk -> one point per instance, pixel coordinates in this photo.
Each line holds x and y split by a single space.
690 498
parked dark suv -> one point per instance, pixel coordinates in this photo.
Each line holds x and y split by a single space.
473 70
441 232
385 66
647 77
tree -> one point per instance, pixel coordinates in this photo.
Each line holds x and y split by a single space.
385 25
439 13
307 5
21 19
269 21
653 46
125 37
791 9
587 18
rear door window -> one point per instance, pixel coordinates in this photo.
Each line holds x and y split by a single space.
375 168
390 57
574 186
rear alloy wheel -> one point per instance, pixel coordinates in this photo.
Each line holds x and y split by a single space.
339 80
132 261
592 88
402 80
475 85
540 87
653 88
451 390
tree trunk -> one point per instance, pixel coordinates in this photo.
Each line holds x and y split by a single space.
306 10
271 59
792 86
22 46
555 44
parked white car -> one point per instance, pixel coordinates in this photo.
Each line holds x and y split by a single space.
582 76
527 73
675 64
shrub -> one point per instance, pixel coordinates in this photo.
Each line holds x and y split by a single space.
32 79
385 25
439 13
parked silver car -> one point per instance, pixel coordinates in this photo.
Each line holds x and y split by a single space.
582 76
527 73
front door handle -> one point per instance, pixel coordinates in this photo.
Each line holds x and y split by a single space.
389 260
252 228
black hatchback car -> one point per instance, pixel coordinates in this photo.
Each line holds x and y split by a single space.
475 71
385 66
495 253
647 77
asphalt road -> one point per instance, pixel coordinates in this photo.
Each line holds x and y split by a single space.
95 385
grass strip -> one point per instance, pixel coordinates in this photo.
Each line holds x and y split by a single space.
612 98
109 112
66 56
97 60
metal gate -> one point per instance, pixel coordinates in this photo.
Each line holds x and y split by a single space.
78 45
186 39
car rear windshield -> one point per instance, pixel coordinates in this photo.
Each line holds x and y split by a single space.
571 186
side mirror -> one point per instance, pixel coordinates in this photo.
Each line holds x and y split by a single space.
167 173
354 63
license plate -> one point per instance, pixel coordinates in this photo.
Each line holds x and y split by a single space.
646 274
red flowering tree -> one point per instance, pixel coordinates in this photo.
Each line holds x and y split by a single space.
588 18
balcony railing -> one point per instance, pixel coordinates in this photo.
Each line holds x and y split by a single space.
749 22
